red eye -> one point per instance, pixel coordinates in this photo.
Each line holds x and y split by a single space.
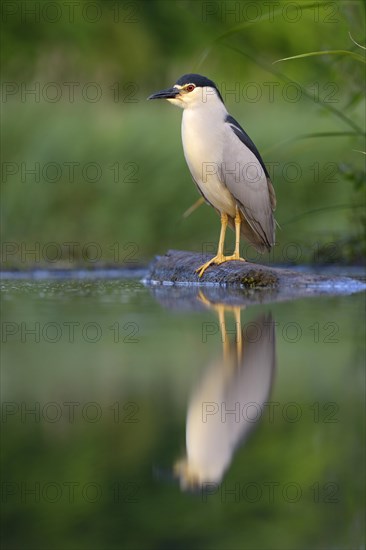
190 87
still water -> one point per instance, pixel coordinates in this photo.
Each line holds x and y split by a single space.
156 418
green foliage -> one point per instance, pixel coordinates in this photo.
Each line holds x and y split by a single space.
306 120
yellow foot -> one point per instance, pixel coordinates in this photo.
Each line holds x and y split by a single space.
217 260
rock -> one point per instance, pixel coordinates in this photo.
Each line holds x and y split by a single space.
247 282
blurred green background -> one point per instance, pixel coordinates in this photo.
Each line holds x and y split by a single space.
108 166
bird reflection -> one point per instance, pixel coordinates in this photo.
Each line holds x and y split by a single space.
227 402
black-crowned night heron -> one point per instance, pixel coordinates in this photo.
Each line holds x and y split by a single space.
228 400
225 165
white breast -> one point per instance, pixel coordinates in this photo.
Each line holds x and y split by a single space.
203 150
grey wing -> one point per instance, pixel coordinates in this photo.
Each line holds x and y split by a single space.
254 376
247 178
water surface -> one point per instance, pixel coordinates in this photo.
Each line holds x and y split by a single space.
132 419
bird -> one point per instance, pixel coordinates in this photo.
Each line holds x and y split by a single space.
229 399
225 165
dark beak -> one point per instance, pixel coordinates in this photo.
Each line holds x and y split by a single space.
165 94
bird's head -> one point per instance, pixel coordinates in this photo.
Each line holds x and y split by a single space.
190 90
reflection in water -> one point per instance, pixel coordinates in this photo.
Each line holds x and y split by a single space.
226 403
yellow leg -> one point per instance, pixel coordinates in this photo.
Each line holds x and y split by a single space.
220 258
237 233
239 341
236 255
221 309
224 336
